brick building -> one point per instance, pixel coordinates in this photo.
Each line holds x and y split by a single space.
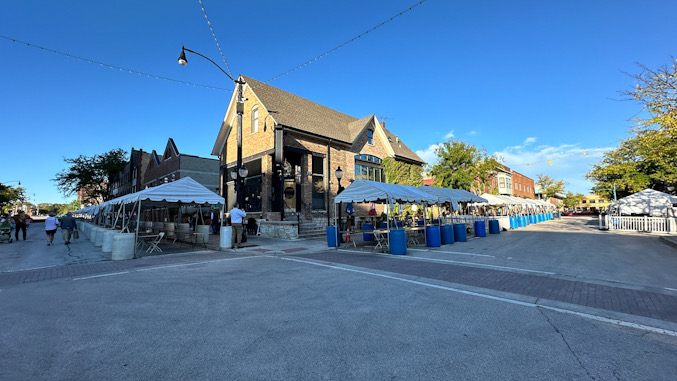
173 165
292 148
523 186
130 179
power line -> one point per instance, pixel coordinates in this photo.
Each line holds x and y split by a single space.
105 65
215 39
347 42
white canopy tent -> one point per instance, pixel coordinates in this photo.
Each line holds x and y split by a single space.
372 191
647 202
185 191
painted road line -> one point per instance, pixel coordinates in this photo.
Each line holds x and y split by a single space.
454 252
457 262
101 275
485 296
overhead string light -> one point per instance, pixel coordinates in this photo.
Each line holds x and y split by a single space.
215 39
105 65
347 42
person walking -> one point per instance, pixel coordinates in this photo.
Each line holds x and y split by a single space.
50 228
67 227
236 216
20 222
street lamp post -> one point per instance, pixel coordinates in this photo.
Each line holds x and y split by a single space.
339 175
241 172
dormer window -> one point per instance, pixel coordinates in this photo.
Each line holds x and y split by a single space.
255 119
370 136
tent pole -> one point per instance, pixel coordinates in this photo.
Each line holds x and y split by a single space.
138 220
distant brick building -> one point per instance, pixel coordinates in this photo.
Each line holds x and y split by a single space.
130 179
523 186
173 165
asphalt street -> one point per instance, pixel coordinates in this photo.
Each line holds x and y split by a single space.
313 315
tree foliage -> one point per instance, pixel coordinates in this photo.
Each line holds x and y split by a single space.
549 186
461 165
399 172
648 158
91 174
10 195
47 208
572 199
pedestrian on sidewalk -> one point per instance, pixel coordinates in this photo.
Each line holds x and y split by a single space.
20 220
236 216
67 227
50 228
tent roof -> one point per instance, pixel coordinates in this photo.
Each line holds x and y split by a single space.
372 191
648 196
450 195
185 190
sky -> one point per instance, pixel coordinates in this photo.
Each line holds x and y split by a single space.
531 81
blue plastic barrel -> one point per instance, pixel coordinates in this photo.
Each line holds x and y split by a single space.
332 238
494 227
480 229
367 237
521 221
540 218
513 222
384 225
532 218
398 242
459 233
447 233
400 224
432 236
419 223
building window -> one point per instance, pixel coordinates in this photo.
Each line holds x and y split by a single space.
318 183
255 119
501 182
370 136
369 167
583 201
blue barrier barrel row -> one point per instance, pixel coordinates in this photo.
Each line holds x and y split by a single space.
367 227
332 238
480 229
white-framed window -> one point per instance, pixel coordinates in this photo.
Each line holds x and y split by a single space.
370 136
255 119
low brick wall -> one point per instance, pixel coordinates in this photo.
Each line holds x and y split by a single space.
280 229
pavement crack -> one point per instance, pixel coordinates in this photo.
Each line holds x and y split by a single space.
565 342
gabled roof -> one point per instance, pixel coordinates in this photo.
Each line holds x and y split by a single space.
297 113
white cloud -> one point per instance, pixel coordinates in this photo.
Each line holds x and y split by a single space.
449 135
472 132
569 162
428 154
528 141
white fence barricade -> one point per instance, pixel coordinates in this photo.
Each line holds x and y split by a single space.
639 224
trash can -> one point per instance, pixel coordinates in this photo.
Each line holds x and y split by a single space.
459 233
226 237
332 237
367 227
480 229
447 233
494 227
432 236
398 242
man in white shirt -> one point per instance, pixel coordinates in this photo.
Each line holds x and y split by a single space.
50 228
236 218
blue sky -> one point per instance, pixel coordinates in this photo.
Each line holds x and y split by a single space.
530 80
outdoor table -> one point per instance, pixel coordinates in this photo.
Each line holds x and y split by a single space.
381 237
413 234
145 238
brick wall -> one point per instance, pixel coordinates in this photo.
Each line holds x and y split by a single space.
522 186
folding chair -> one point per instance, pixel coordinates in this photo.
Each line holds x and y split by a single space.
153 246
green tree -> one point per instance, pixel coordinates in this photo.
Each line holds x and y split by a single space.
549 186
399 172
648 158
91 174
572 199
461 165
10 195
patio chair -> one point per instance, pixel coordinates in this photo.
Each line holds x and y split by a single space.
153 246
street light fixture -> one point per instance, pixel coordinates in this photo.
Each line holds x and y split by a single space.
242 172
339 175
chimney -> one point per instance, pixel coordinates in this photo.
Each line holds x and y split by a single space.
397 139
